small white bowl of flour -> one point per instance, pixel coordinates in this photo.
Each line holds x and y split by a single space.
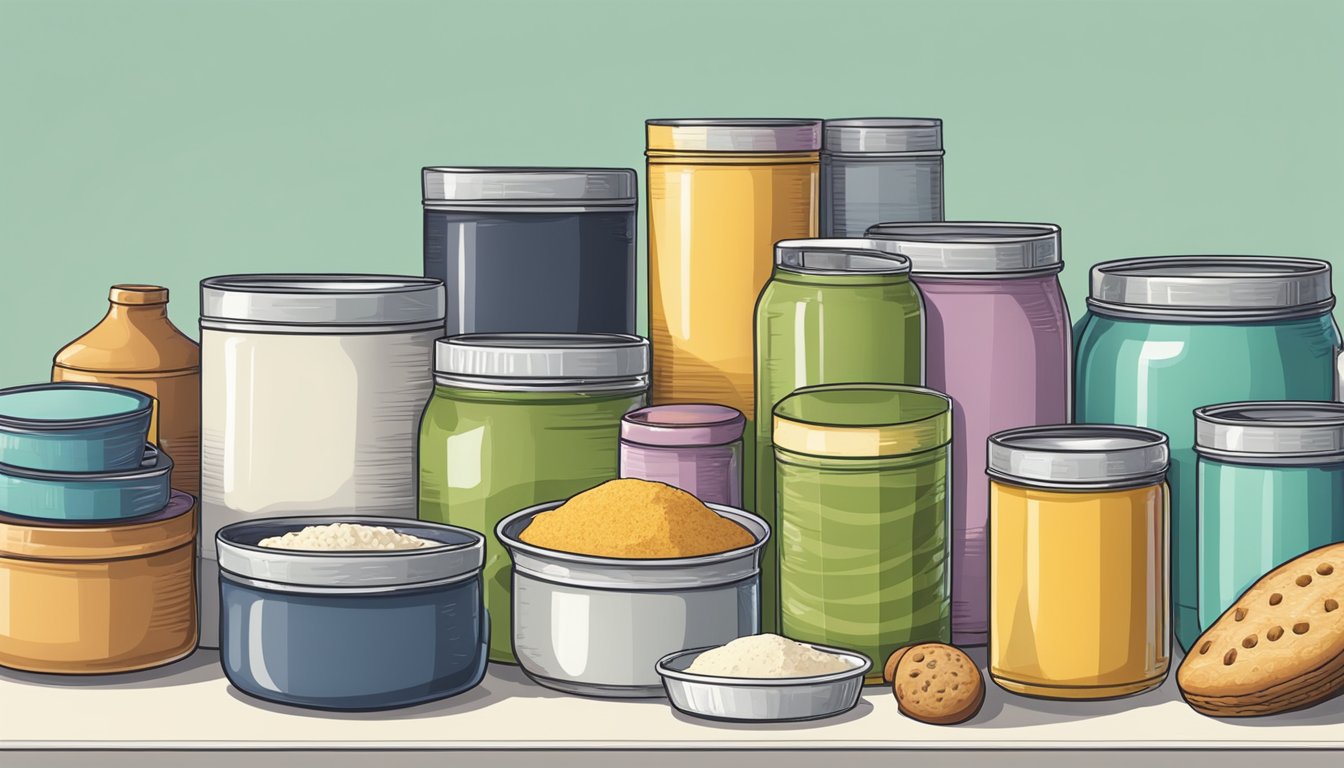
764 678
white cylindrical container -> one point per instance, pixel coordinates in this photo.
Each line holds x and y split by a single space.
311 392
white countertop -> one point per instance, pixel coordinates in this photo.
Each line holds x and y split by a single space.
189 706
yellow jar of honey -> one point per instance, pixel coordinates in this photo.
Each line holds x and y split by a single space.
1078 546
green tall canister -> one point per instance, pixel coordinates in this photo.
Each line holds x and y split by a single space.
518 419
835 311
862 484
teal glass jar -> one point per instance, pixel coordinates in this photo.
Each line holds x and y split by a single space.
835 311
518 419
864 517
1164 336
1271 487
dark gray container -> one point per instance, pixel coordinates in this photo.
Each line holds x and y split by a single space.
544 250
880 169
351 630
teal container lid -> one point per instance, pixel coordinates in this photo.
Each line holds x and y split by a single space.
854 421
1212 288
67 406
1287 432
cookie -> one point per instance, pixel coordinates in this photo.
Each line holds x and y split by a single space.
1279 647
935 683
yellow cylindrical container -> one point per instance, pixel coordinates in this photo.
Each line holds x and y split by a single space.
721 194
1078 583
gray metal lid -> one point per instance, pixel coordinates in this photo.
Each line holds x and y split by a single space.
883 135
1212 287
1079 456
1272 432
840 256
460 555
521 187
543 358
320 300
974 248
734 134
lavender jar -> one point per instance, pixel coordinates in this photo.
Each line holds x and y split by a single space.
697 448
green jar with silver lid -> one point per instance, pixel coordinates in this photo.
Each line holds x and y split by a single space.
863 499
517 419
835 311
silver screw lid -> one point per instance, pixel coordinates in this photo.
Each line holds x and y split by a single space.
1212 287
883 136
969 249
1079 456
520 187
1291 431
455 553
840 256
733 134
545 359
319 300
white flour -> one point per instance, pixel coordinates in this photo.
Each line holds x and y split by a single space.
350 537
767 655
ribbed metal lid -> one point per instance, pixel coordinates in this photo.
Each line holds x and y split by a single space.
322 299
532 356
733 134
460 553
1271 430
1080 456
683 425
862 420
1224 287
974 248
882 135
840 256
506 186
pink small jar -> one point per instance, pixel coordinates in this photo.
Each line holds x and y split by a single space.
697 448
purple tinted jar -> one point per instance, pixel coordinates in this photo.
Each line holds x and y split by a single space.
697 448
999 343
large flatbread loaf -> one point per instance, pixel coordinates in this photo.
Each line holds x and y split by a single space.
1279 647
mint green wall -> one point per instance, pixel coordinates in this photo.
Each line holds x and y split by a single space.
166 141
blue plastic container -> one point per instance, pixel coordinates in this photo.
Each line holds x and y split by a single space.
351 631
68 427
88 496
1165 336
1271 487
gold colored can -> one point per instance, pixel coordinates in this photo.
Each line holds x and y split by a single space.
721 194
92 599
1079 573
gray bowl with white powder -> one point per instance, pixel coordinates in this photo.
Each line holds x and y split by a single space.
770 699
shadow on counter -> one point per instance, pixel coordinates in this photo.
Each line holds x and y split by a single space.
199 667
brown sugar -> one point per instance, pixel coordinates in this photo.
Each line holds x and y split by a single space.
635 519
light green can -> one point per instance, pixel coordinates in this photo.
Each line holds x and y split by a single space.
518 419
864 517
835 311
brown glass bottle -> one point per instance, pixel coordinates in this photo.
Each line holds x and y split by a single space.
138 347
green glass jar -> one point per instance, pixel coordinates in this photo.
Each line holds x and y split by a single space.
864 515
835 311
518 419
